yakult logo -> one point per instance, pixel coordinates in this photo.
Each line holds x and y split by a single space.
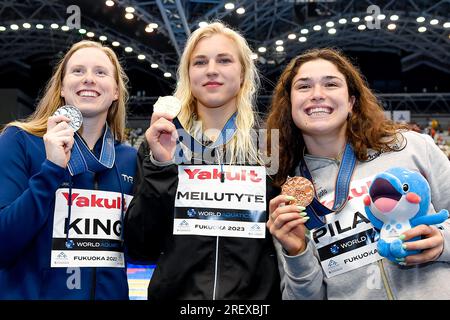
242 175
95 202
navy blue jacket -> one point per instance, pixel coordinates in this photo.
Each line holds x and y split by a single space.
28 183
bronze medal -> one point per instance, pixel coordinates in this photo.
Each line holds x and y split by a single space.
300 188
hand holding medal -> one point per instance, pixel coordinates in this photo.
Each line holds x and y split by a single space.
162 134
287 214
59 138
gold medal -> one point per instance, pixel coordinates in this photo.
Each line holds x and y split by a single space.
169 105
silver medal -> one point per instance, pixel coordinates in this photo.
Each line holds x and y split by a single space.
73 113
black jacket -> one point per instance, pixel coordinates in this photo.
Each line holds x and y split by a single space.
193 267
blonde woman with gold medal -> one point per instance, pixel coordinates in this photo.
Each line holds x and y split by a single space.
200 207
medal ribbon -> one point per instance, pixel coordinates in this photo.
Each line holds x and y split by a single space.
317 211
83 160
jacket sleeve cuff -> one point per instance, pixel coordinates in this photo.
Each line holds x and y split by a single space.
54 171
445 231
301 265
160 163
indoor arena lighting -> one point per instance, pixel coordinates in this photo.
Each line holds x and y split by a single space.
292 36
434 22
391 26
229 6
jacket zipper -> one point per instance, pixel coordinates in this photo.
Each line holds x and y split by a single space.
216 267
94 269
385 281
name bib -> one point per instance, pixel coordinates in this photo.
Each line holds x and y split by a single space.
94 230
348 240
206 206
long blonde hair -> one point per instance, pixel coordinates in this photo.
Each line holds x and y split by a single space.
36 123
241 146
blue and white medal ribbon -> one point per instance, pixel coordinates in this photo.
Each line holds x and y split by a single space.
83 160
317 211
226 134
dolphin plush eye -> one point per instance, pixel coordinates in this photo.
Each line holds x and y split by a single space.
405 187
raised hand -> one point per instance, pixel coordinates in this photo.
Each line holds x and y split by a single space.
58 140
162 136
287 224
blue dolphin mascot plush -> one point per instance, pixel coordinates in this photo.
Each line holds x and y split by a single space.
398 200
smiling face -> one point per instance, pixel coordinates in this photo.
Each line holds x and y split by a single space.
215 72
320 99
89 83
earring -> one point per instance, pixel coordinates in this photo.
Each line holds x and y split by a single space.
349 116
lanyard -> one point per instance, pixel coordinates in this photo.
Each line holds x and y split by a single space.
317 211
227 132
195 146
82 159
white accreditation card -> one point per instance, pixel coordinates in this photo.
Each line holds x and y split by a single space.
206 206
348 240
94 229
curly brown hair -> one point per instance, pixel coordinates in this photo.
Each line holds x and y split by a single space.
367 126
